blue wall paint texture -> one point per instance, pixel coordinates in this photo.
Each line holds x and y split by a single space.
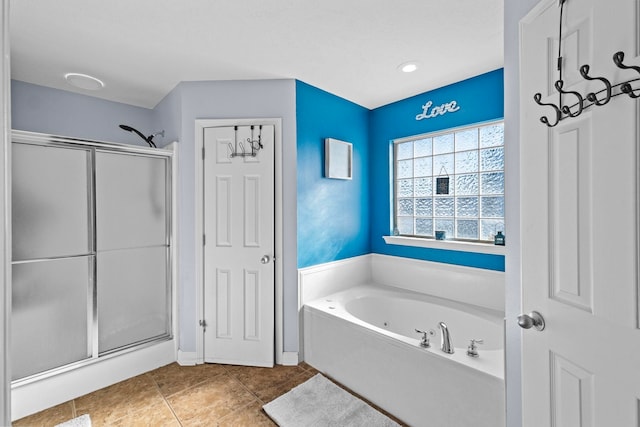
335 216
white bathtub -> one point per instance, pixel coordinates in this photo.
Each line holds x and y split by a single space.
364 338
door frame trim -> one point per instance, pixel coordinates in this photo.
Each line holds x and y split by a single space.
5 217
200 125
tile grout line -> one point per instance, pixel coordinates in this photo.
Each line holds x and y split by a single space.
242 408
229 374
164 398
244 386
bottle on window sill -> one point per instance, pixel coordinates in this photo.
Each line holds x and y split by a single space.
499 239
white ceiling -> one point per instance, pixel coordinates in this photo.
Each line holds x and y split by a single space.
142 49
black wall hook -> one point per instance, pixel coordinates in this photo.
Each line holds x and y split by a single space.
537 97
593 96
562 110
625 87
597 98
566 109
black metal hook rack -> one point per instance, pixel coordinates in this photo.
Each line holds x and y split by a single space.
238 150
598 98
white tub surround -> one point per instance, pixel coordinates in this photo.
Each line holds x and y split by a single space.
364 338
323 279
476 286
359 317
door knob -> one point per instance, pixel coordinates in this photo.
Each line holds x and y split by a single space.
533 319
265 259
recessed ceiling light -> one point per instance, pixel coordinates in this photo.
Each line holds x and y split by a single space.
84 81
408 67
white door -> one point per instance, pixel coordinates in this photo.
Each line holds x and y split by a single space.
239 245
579 188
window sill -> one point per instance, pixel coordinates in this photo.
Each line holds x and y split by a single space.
451 245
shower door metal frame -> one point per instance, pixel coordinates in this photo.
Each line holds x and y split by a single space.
93 147
150 152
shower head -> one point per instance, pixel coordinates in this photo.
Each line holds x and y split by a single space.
148 139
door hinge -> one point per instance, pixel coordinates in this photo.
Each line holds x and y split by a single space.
204 239
203 323
202 153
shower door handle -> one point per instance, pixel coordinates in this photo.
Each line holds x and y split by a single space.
265 259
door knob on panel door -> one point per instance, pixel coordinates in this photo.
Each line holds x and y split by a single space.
265 259
533 319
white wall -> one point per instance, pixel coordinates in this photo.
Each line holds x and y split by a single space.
514 10
167 116
42 109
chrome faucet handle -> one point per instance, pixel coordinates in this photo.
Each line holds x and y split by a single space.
472 350
424 342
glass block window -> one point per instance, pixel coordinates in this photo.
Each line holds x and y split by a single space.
451 181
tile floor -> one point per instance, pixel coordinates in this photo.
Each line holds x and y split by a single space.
174 395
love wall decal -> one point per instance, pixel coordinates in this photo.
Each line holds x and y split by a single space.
429 110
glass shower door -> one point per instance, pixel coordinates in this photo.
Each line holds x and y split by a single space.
53 258
132 229
91 251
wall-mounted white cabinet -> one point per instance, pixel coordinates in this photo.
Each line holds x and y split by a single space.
91 251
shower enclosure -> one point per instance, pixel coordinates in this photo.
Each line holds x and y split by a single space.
92 251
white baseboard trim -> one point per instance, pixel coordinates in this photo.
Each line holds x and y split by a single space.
188 358
290 358
36 396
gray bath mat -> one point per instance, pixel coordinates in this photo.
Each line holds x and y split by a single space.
81 421
319 402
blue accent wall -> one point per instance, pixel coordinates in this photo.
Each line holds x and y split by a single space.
333 214
480 99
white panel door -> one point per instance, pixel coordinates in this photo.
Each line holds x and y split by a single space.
579 188
239 272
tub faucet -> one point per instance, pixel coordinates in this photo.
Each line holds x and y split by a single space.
445 338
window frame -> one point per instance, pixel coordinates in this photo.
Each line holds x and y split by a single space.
422 240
